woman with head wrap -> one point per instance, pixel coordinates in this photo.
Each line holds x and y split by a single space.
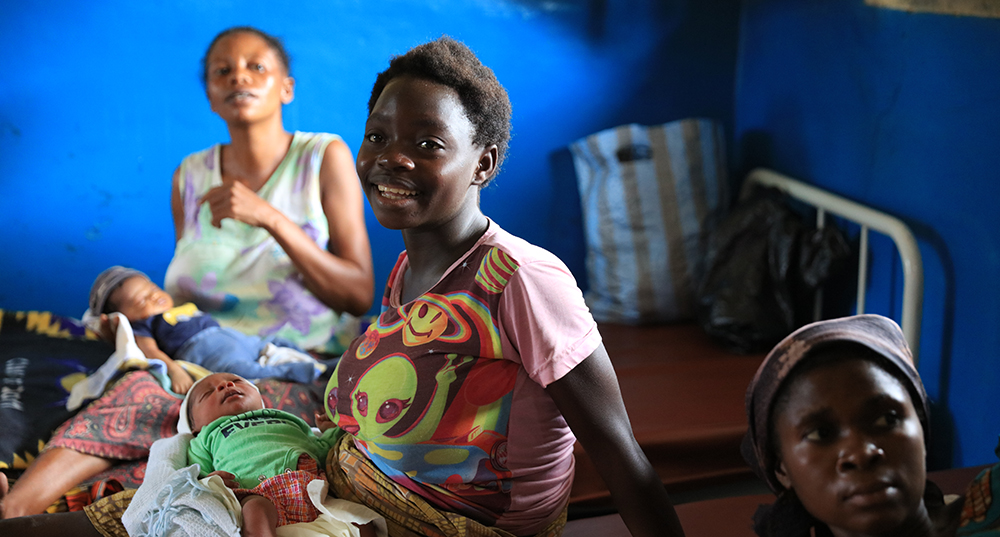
838 428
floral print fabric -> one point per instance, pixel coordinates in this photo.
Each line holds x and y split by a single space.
239 273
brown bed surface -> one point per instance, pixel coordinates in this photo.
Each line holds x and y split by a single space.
684 395
732 517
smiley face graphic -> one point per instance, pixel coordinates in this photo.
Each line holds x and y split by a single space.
425 322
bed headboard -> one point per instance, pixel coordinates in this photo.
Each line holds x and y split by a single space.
868 219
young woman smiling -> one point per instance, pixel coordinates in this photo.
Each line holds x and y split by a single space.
485 364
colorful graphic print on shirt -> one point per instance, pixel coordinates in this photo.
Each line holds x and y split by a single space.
427 394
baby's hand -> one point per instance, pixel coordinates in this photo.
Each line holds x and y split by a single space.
180 380
323 422
227 478
108 328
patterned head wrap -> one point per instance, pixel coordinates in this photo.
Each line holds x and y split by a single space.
880 334
106 283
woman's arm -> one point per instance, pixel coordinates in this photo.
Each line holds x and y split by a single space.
589 398
345 272
177 206
340 276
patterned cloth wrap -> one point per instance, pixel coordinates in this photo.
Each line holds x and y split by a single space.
106 514
354 477
134 412
980 514
41 357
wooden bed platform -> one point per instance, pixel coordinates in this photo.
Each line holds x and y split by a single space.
733 517
685 398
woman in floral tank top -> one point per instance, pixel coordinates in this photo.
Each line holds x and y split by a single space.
271 240
270 229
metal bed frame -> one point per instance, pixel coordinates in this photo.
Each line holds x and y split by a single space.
868 219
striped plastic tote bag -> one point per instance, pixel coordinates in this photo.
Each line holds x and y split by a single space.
647 195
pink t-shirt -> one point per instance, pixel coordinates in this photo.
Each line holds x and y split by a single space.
446 393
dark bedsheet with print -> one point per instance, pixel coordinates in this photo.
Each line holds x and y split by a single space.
40 357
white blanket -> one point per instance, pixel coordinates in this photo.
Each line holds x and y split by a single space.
125 350
173 502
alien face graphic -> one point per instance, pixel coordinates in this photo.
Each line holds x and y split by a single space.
378 405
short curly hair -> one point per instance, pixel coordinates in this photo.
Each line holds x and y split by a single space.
451 63
274 43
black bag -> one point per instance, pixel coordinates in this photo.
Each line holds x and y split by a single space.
762 269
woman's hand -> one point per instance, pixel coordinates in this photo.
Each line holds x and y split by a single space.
235 200
227 478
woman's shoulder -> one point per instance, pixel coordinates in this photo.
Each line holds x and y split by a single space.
202 163
313 140
314 148
519 250
203 155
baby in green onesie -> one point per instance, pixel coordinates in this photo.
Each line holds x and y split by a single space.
266 456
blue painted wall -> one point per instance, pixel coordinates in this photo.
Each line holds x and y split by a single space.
100 101
901 111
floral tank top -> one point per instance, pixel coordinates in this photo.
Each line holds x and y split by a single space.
239 273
